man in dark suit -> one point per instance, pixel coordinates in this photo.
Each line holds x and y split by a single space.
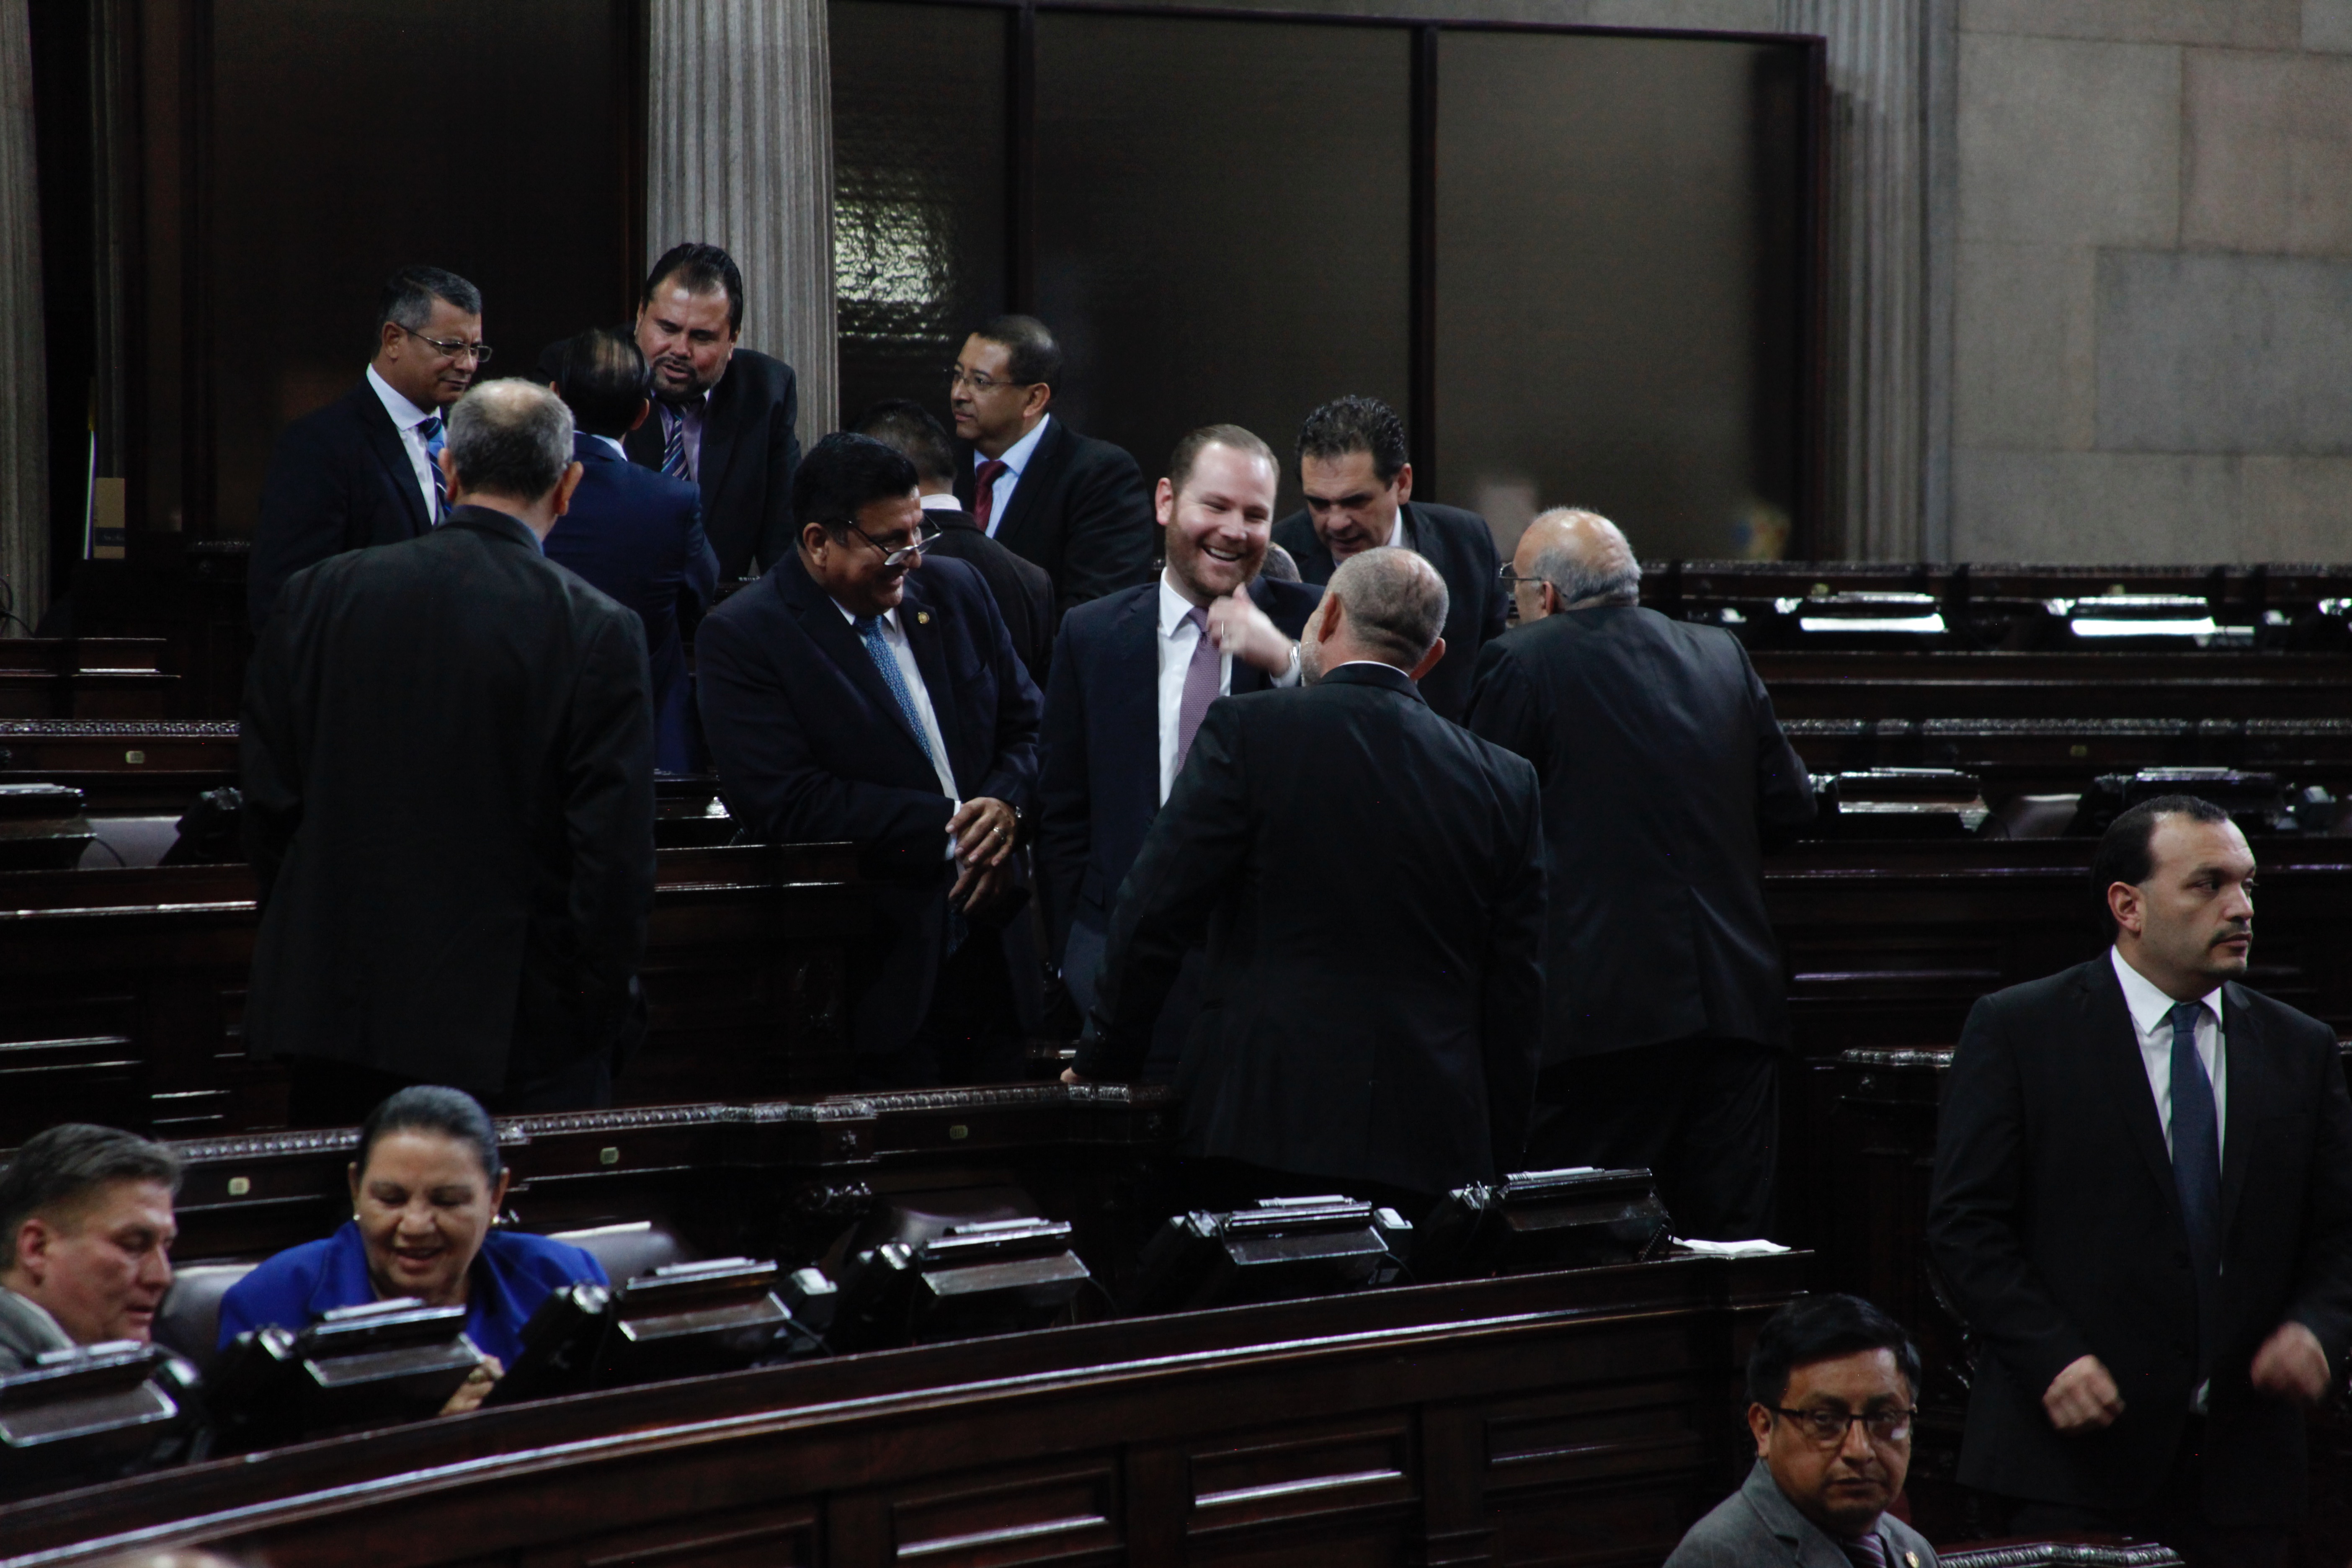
632 533
1370 881
725 418
363 470
1024 593
1134 674
1665 774
1076 506
2143 1208
1352 464
850 697
448 755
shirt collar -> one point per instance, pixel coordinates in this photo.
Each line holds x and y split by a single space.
889 617
406 416
618 450
1173 606
41 1319
2147 1003
1016 455
947 502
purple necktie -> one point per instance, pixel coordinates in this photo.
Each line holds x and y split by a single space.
1199 686
1865 1552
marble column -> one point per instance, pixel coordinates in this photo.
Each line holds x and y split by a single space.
739 152
1879 274
23 370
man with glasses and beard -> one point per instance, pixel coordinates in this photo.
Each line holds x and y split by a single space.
363 469
849 696
1133 676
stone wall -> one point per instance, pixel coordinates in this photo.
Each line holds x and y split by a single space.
2152 319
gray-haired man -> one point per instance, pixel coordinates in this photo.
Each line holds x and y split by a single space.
1665 773
449 776
85 1230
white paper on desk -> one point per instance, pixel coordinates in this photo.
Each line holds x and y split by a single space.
1758 1248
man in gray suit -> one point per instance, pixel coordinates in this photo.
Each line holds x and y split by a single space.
1833 1383
86 1231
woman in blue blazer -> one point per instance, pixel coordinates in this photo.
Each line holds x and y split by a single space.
426 1188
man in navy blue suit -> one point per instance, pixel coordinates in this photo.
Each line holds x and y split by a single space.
848 696
634 532
1133 674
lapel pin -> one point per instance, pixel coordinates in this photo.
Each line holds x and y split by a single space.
1912 1558
922 617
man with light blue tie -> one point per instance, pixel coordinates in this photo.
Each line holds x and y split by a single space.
2143 1209
862 692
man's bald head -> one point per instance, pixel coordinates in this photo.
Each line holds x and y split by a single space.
1570 559
1386 605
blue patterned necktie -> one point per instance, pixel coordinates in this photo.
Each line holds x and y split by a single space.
674 454
869 632
430 428
2197 1170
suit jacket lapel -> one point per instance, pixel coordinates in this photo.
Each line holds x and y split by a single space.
1131 674
2247 1067
720 416
392 453
644 444
2113 1043
821 619
925 629
1044 467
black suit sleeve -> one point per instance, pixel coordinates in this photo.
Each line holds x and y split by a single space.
1503 706
1487 562
1784 790
1511 1010
697 577
270 766
2323 1289
1064 803
1107 539
1973 1209
608 808
1197 846
306 516
784 458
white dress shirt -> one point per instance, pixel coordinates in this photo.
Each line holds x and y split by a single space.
896 636
694 414
1015 460
2149 1007
405 417
940 503
1178 637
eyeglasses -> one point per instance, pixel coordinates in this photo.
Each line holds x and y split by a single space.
925 537
1514 580
1829 1427
478 352
977 382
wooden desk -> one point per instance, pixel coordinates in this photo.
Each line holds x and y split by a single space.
83 678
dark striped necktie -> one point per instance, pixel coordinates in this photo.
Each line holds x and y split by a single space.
1864 1552
675 462
429 428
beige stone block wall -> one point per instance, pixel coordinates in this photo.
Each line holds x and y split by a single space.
2218 132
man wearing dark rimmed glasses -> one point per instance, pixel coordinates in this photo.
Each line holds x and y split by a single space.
365 469
860 692
1831 1385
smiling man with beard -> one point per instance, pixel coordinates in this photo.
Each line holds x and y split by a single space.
2143 1208
1132 676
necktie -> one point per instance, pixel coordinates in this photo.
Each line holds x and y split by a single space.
2196 1169
983 494
430 428
675 462
869 632
1864 1552
1199 685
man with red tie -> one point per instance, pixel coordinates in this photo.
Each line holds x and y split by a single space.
1076 506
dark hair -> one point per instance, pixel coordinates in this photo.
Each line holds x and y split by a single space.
430 1108
1280 565
408 296
700 269
1823 1328
1188 451
844 473
2124 856
57 1169
1035 357
605 381
1349 424
906 426
508 437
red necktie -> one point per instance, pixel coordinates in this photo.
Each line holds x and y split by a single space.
983 493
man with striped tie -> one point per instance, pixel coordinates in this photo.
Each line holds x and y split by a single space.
365 469
2143 1208
861 692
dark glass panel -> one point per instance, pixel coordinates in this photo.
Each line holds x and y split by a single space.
1618 306
349 140
1223 221
919 200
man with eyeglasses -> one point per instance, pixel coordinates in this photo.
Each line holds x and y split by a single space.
1831 1386
364 469
1076 506
861 693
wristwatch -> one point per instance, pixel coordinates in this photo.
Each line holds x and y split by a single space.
1292 673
